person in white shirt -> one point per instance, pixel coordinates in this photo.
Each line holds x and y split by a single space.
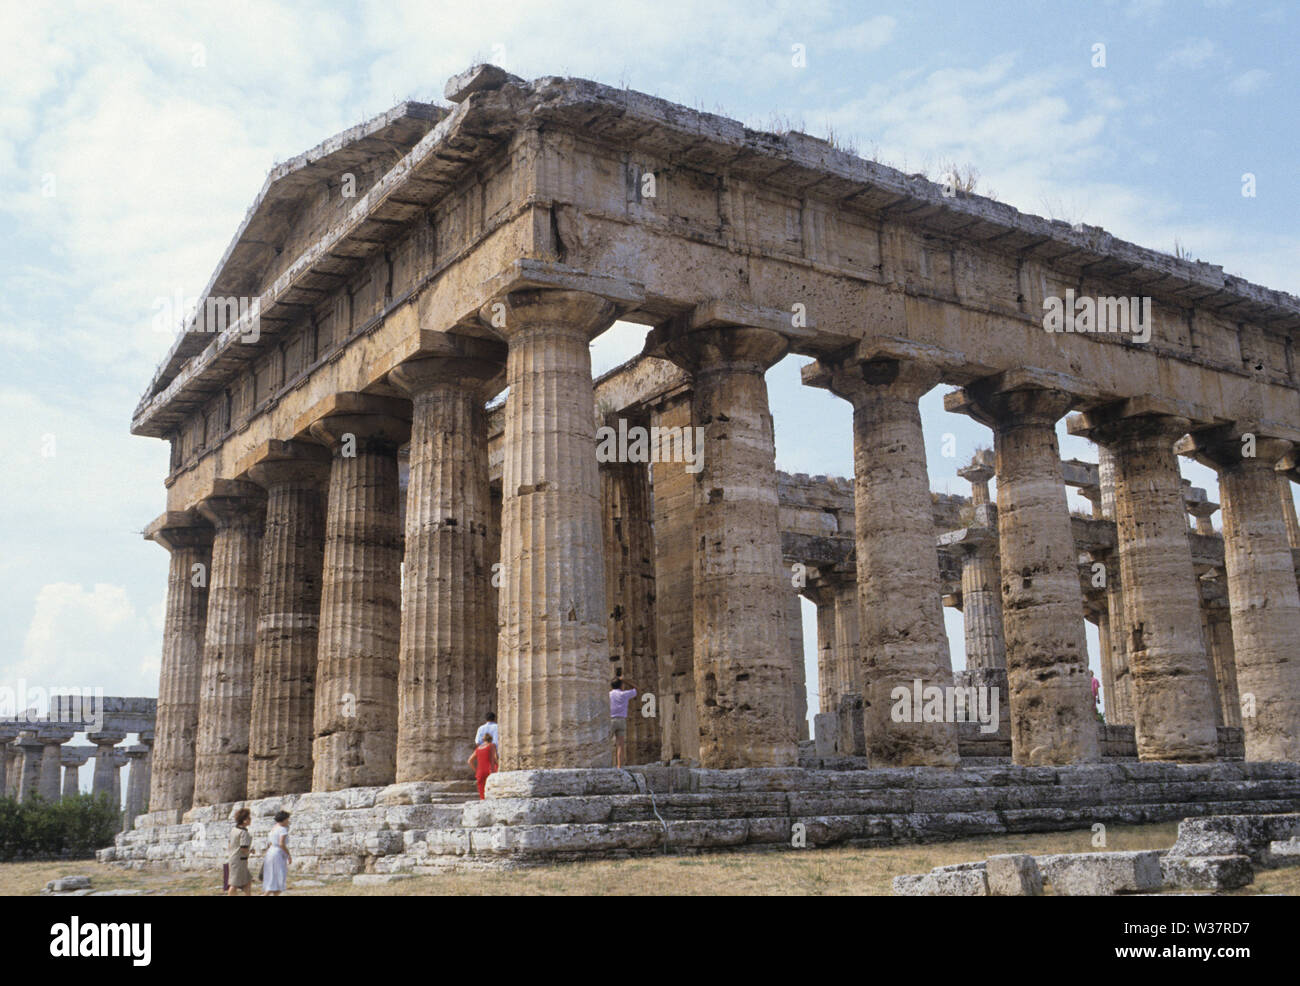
489 728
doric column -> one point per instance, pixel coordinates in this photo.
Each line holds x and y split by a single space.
118 761
1173 700
104 759
31 753
828 676
900 611
981 593
1103 642
1287 503
189 539
50 786
447 664
1202 511
237 512
1218 636
630 591
848 654
743 672
294 475
794 625
8 756
1052 717
674 539
136 792
552 647
1262 590
71 759
355 720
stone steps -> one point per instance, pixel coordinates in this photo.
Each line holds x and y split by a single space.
534 816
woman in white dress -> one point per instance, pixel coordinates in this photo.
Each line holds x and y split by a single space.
275 869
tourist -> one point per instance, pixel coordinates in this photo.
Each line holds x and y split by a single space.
489 728
237 849
620 693
484 762
275 870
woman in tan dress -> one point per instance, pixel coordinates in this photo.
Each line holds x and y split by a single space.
237 849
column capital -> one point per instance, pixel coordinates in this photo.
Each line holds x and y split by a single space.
1226 446
539 309
276 463
450 358
1137 418
856 380
712 345
178 529
106 738
373 423
75 756
51 736
233 503
1022 394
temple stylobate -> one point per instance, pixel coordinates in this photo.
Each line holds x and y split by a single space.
368 555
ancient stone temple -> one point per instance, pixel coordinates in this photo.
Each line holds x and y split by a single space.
369 550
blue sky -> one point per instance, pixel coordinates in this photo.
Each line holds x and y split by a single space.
133 139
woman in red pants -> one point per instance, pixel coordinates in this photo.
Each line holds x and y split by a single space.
484 762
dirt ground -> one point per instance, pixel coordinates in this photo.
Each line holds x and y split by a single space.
806 872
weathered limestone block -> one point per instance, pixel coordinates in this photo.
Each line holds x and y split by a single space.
1207 872
1173 695
1262 590
1013 875
852 726
355 721
237 512
1285 852
743 666
1102 874
552 648
1231 835
447 677
943 883
294 475
1052 718
901 629
189 539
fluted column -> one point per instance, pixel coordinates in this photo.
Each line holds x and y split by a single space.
899 588
237 511
828 676
189 539
1262 591
674 540
447 665
355 720
1173 700
981 594
794 624
848 654
1052 714
71 759
1287 503
630 593
1218 633
136 792
51 762
294 475
31 753
102 782
743 668
8 755
552 647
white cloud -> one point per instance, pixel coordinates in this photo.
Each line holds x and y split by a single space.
1248 82
89 639
1192 54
